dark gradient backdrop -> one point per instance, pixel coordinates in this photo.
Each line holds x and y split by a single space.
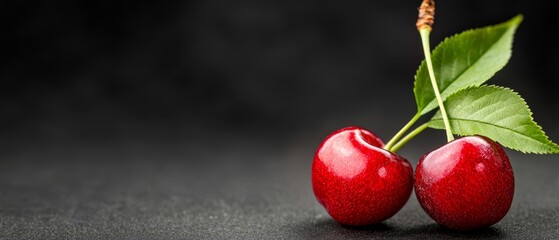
82 70
253 86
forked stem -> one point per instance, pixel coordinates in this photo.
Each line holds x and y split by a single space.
389 146
424 25
408 137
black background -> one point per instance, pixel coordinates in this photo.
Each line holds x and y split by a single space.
212 110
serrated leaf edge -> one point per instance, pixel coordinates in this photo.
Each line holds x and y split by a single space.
516 20
541 133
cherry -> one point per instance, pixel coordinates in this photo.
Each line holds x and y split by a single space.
468 183
357 181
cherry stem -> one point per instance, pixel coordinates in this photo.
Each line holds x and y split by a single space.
389 146
424 32
408 137
424 24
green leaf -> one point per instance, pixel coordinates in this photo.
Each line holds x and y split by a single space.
497 113
466 59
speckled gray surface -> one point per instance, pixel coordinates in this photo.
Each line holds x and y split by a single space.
230 190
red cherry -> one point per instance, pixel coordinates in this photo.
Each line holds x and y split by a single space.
466 184
357 181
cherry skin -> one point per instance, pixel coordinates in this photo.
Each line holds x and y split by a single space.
466 184
357 181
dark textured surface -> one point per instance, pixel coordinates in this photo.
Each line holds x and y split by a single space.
250 188
199 119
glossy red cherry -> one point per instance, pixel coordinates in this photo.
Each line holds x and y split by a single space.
357 181
466 184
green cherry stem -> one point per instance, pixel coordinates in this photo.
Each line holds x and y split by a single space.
408 137
424 23
424 32
425 20
389 146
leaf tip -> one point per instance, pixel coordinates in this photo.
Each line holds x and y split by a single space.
516 20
